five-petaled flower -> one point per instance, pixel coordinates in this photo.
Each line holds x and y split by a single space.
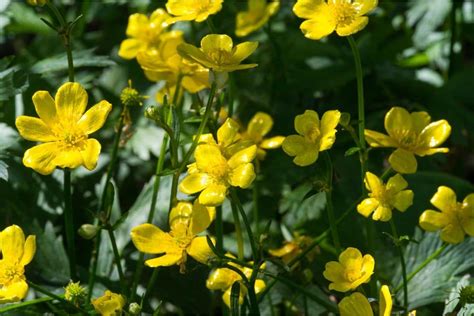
192 10
455 220
219 165
314 136
186 221
358 305
64 128
351 271
256 16
223 278
383 198
323 17
144 33
412 134
109 304
258 127
16 254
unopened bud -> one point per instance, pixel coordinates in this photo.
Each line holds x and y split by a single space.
466 295
134 309
75 293
131 97
345 119
153 113
88 231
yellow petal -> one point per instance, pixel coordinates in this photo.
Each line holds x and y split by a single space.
193 183
444 199
209 157
368 264
109 304
41 158
403 200
242 176
420 120
200 250
45 107
349 257
272 142
14 292
329 121
259 286
452 233
34 129
358 24
29 250
213 195
71 102
202 216
334 272
95 117
382 213
467 210
307 9
372 182
130 47
13 242
194 54
385 301
90 154
367 206
283 251
431 151
435 134
137 25
260 124
221 279
355 305
396 183
307 122
403 161
242 51
227 133
69 158
398 122
243 156
376 139
216 42
150 239
318 27
166 260
432 221
364 6
306 152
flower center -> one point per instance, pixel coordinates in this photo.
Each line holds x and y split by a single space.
220 56
11 273
343 12
352 275
313 134
72 140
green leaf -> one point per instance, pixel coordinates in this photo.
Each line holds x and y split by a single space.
24 19
3 170
234 299
310 209
453 299
8 136
12 80
351 151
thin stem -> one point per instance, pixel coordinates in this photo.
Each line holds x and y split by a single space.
402 261
150 285
55 297
433 256
25 304
255 206
238 231
219 231
330 206
117 258
69 223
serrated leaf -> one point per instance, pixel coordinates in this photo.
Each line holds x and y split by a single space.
8 136
453 299
310 209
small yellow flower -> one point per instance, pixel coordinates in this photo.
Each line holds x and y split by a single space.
219 165
455 220
314 136
192 10
412 134
292 249
223 278
384 198
144 33
64 128
16 253
323 17
351 271
218 53
109 304
257 15
186 221
37 2
358 305
258 127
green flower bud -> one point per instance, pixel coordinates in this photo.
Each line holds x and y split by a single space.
75 293
466 295
131 97
88 231
134 309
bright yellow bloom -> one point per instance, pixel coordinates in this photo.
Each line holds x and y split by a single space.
314 136
186 221
219 165
292 249
192 10
358 305
383 198
218 53
257 15
351 271
455 219
258 127
144 33
109 304
412 134
223 278
323 17
64 128
37 2
16 254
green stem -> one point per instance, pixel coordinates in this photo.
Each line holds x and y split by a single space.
55 297
69 223
402 261
150 285
117 259
255 206
423 265
25 304
211 25
238 231
219 231
330 206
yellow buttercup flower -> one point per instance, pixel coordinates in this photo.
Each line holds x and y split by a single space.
186 221
144 33
218 53
192 10
109 304
258 127
412 134
384 198
219 165
314 136
358 305
223 278
351 271
64 128
323 17
257 15
16 254
455 220
292 249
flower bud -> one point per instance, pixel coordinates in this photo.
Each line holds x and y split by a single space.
134 309
131 97
88 231
153 113
466 295
75 293
345 119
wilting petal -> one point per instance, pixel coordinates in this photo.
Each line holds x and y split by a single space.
213 195
150 239
71 102
200 250
307 158
432 221
29 250
403 200
295 145
354 27
403 161
435 134
41 158
444 199
95 117
34 129
376 139
193 183
367 206
355 305
45 107
90 154
242 176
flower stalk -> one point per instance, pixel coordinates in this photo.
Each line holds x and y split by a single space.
330 206
69 223
402 262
